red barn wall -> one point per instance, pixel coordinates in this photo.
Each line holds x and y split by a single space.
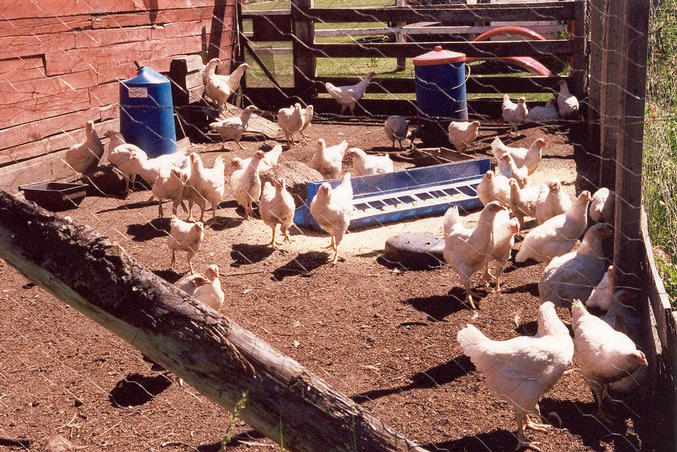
61 62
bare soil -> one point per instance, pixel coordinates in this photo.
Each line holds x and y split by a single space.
383 335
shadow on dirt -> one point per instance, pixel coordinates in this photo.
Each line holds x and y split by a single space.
436 376
158 227
137 389
302 265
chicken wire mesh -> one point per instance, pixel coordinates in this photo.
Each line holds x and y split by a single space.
365 341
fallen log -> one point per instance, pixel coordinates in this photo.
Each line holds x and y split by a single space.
219 358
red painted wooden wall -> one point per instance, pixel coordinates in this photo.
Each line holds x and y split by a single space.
61 60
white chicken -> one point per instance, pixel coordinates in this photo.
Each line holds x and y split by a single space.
558 235
347 96
514 113
466 251
307 118
567 103
543 114
396 127
523 157
331 209
270 159
494 187
603 354
290 121
170 186
462 133
191 189
366 165
211 294
246 184
220 87
84 157
556 201
125 157
277 207
575 274
506 167
184 236
329 160
503 231
522 369
601 296
232 128
523 200
602 206
210 183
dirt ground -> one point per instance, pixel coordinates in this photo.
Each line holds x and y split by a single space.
383 335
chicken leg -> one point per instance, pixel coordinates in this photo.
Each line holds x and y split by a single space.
287 237
469 293
171 265
524 422
273 243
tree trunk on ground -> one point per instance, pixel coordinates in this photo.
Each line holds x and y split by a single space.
222 360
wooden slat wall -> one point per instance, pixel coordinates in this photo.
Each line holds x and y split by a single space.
61 61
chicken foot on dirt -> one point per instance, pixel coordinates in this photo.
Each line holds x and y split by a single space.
523 422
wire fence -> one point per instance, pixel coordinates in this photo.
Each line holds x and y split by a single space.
381 324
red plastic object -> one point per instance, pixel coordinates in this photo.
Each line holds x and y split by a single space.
439 56
530 64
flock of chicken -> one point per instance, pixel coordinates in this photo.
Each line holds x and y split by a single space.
520 369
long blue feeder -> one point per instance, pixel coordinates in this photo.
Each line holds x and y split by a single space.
406 195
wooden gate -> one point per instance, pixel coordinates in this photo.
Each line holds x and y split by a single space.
455 24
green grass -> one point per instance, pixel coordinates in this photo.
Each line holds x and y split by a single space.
660 141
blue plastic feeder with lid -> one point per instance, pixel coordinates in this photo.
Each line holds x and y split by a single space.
147 112
440 92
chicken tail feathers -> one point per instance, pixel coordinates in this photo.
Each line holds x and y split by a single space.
471 340
451 219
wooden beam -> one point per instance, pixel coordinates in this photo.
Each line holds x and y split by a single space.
611 89
628 236
471 49
496 85
580 61
597 20
456 14
303 29
222 360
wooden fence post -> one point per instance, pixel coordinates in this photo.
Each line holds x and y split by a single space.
303 30
628 247
613 55
215 355
580 63
401 37
597 21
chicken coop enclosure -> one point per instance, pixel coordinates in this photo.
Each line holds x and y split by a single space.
304 355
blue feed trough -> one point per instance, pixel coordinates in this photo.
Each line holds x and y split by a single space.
406 195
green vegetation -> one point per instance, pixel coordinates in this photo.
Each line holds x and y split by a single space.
660 141
239 406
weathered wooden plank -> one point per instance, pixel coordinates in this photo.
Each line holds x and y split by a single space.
628 187
106 37
474 84
45 107
118 54
33 131
653 285
580 59
22 69
104 94
454 14
16 92
611 91
215 355
44 25
158 17
11 9
597 21
304 59
471 49
192 28
19 46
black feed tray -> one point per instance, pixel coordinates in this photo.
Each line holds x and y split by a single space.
55 195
